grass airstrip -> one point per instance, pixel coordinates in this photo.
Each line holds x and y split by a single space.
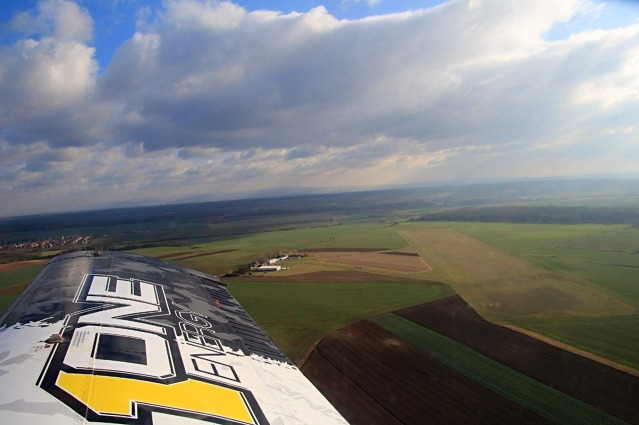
574 283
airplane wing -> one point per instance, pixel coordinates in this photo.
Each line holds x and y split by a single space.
111 337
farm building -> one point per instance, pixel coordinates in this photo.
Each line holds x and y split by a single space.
268 268
277 260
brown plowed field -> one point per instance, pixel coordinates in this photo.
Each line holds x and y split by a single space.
408 254
14 289
374 377
186 254
607 388
19 264
343 249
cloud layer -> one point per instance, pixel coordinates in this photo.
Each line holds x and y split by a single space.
209 99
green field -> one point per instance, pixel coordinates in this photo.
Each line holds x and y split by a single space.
248 248
604 255
13 282
591 259
615 338
533 395
296 314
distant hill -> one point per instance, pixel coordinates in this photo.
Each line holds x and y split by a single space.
595 193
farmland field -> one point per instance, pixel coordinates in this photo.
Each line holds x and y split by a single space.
574 283
296 314
502 286
14 277
543 400
374 377
615 338
604 256
607 386
383 261
465 370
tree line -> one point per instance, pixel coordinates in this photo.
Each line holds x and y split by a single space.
539 214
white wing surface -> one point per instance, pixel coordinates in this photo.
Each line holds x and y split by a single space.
114 337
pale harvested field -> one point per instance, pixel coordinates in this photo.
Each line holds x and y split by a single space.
502 286
376 261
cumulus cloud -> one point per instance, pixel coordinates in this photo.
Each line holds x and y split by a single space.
219 76
60 19
47 80
213 98
370 3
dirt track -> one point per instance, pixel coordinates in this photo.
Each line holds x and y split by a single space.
307 250
372 376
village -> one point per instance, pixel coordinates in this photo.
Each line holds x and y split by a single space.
48 243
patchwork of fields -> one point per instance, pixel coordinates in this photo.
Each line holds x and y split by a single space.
465 370
298 312
577 284
502 286
384 261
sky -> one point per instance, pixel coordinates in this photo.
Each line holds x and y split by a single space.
111 103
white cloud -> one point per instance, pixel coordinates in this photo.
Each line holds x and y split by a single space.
213 98
47 81
61 19
370 3
192 15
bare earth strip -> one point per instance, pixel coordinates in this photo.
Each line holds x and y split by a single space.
408 254
182 256
14 289
20 264
500 286
559 344
313 250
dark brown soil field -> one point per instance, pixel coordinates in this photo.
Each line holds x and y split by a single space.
374 377
19 264
175 254
609 389
343 249
14 289
186 254
407 254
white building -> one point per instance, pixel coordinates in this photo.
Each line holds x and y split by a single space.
269 268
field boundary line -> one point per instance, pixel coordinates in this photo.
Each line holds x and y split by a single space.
535 396
621 367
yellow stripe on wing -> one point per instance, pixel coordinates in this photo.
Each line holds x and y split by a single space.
108 395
